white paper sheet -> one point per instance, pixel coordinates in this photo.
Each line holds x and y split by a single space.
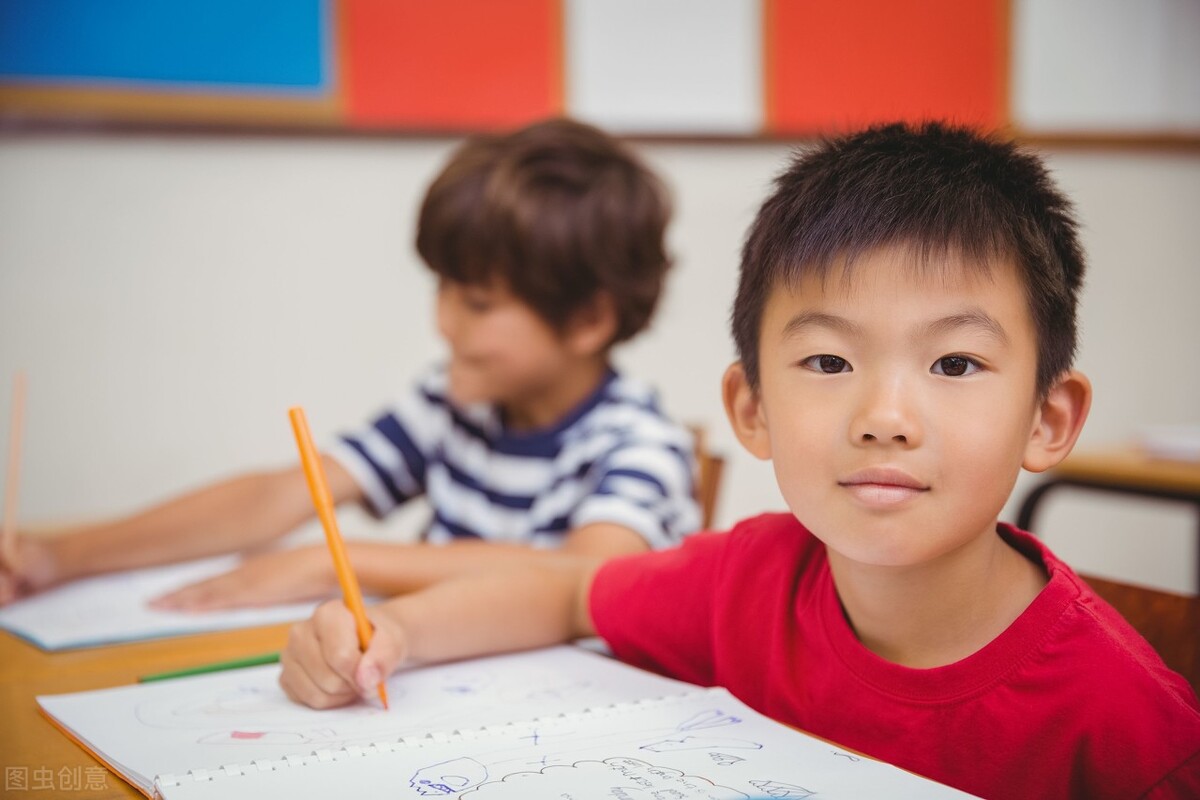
114 608
702 746
240 716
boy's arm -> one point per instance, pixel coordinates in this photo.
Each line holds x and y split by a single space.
519 609
225 516
385 568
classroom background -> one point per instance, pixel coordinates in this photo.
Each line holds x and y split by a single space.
207 209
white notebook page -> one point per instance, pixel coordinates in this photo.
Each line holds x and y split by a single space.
115 608
239 716
703 746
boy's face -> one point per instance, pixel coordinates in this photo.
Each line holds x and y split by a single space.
898 405
501 350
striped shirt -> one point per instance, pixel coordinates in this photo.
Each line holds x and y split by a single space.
614 459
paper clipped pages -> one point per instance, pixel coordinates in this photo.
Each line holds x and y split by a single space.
241 716
704 745
115 608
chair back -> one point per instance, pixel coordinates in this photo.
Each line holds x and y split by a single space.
709 468
1169 621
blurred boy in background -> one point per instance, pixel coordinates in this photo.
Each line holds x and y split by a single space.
548 244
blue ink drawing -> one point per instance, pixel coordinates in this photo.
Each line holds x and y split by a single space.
783 791
449 777
724 759
707 719
700 743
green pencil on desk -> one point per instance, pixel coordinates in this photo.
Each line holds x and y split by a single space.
219 666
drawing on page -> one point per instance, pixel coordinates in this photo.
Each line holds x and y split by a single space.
265 706
320 736
448 777
552 693
257 715
783 791
617 778
707 719
551 688
463 682
558 741
700 743
253 710
724 759
544 761
712 718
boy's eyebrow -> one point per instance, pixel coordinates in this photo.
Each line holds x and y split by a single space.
817 319
972 318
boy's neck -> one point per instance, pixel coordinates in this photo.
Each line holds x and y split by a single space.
545 406
938 613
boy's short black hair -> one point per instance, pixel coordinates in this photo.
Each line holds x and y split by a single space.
934 189
558 211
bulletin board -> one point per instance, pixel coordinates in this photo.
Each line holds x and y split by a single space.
221 61
704 68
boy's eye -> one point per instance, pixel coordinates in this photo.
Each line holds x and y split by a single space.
471 297
954 366
478 301
826 363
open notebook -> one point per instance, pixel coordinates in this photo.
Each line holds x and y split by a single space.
114 608
559 722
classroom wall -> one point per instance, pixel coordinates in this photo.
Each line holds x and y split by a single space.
171 296
731 67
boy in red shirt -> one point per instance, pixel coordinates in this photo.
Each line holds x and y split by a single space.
905 321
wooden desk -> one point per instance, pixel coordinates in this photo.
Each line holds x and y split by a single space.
29 744
1121 470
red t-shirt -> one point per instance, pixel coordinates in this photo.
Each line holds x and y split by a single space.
1068 702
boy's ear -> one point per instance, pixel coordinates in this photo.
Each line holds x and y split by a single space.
744 409
1059 420
593 325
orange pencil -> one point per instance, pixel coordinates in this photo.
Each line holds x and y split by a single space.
323 501
8 533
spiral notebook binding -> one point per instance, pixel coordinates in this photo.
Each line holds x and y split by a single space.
354 751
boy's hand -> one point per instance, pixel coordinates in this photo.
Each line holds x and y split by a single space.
322 665
34 567
288 576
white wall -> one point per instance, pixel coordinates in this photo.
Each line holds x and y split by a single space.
170 297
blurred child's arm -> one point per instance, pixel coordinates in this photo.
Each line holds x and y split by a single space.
229 515
514 610
388 570
385 569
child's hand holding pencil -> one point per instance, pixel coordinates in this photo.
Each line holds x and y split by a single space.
323 666
351 593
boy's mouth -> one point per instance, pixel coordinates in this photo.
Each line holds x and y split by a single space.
883 486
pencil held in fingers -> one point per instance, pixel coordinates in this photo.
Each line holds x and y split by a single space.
383 656
323 502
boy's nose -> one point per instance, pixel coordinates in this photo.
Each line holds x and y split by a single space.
886 414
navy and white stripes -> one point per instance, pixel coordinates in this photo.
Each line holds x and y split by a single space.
614 459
